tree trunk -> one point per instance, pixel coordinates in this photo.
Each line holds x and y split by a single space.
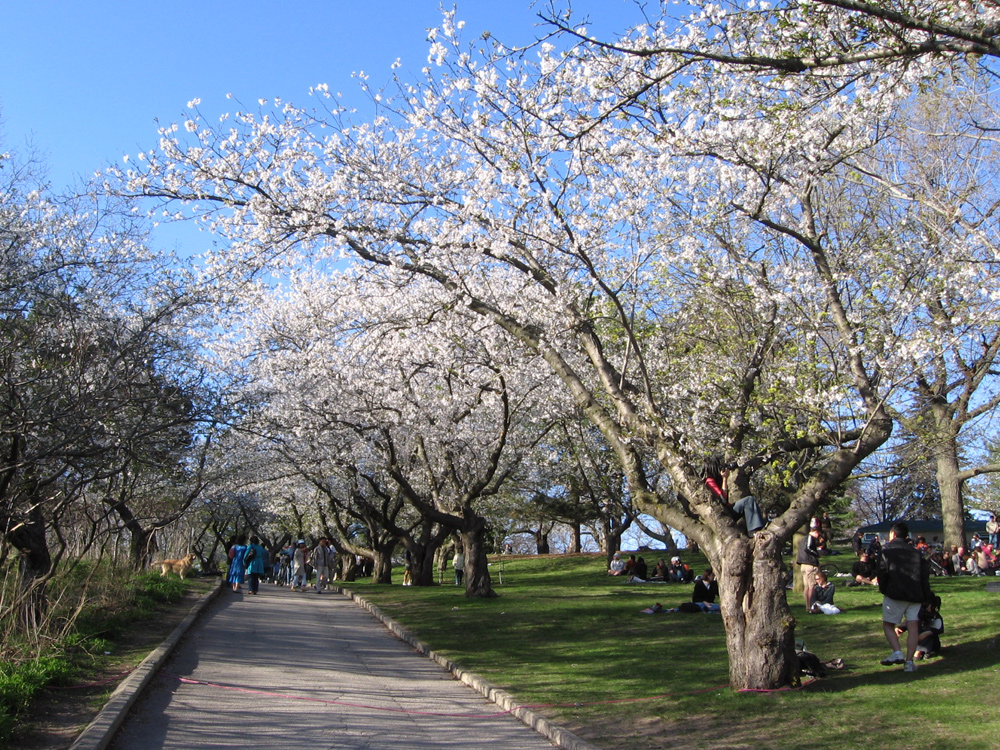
142 542
542 542
760 630
477 573
422 562
36 564
142 547
382 561
613 539
577 543
950 486
348 567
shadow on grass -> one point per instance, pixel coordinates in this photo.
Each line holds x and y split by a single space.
953 660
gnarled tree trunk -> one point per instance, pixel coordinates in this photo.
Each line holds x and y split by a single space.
348 567
36 565
422 562
478 582
542 542
382 560
760 630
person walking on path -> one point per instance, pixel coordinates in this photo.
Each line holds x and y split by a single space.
299 560
904 580
237 563
256 562
322 560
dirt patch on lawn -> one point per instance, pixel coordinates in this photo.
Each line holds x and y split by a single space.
59 715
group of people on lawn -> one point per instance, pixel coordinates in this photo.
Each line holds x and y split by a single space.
901 570
636 570
902 573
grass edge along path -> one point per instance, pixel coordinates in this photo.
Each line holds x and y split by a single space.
572 643
126 636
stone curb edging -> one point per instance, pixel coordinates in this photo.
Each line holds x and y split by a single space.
99 733
562 738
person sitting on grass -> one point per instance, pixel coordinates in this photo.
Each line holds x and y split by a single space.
863 572
660 572
639 571
822 598
985 558
706 589
679 572
972 565
617 566
629 566
931 628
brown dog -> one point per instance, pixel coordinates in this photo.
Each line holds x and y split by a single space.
181 567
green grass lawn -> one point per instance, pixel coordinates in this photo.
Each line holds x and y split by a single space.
564 637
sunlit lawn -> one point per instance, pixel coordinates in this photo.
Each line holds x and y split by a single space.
566 638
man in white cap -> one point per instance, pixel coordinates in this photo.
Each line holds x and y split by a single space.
679 572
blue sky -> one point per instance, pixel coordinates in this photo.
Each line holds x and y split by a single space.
85 82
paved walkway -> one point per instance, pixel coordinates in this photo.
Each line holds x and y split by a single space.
300 670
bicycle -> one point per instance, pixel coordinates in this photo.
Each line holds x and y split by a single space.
830 569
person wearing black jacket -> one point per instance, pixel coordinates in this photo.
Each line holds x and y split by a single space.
808 561
904 580
705 590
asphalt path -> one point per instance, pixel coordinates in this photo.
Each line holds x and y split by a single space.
288 669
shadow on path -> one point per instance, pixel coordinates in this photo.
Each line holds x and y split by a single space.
313 670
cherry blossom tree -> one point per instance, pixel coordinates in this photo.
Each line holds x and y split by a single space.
945 163
571 250
817 55
387 402
852 39
96 382
580 484
681 258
